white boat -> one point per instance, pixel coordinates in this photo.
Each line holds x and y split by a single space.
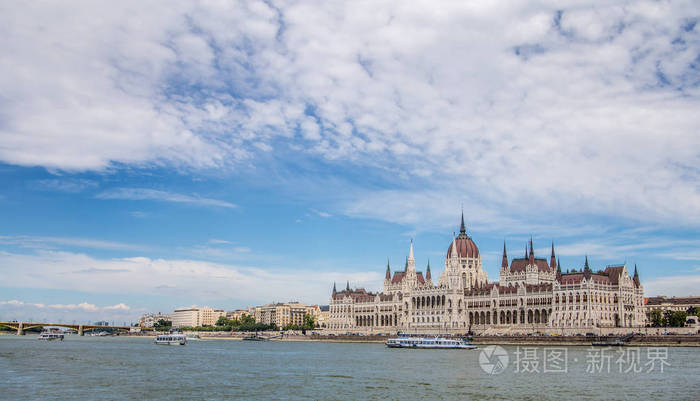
193 337
50 336
171 339
436 342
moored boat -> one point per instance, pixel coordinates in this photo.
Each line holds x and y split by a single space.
429 342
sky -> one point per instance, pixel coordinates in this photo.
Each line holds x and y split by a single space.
231 154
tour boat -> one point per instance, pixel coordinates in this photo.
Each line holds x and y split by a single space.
436 342
50 336
171 339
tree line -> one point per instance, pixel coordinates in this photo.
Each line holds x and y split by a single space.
669 318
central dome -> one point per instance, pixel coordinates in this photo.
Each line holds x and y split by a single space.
466 248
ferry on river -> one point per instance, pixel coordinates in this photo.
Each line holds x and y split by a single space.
171 339
48 335
424 342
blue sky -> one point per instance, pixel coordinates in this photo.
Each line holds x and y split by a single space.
242 153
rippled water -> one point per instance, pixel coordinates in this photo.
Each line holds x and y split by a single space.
135 368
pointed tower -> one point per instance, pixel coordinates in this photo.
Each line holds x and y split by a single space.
552 259
453 252
427 271
462 227
587 269
558 269
532 253
347 287
636 277
388 271
504 261
410 261
525 250
334 290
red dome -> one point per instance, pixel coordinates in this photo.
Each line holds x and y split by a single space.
466 248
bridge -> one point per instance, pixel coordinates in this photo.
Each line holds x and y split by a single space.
80 328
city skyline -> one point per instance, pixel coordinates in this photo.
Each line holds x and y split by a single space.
227 158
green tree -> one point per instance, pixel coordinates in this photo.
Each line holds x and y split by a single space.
678 318
668 318
656 318
163 325
309 322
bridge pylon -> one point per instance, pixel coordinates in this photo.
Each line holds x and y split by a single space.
80 330
20 329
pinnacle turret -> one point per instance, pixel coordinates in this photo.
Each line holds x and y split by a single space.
636 277
552 259
347 287
334 290
427 271
388 270
462 227
504 262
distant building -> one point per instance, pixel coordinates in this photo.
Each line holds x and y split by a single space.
673 304
151 319
284 314
322 320
196 317
237 314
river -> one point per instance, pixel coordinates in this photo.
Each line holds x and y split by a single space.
82 368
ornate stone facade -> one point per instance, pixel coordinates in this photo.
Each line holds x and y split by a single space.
533 294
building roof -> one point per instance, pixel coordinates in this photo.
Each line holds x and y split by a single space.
518 265
673 300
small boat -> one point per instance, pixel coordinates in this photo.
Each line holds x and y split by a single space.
254 337
193 337
171 339
48 335
431 342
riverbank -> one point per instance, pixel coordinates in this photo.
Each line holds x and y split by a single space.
639 341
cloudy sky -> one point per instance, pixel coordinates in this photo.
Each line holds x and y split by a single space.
236 153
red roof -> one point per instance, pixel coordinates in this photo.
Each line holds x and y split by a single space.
466 248
519 265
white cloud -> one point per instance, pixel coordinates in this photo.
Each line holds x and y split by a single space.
171 278
686 285
321 213
32 242
492 102
120 306
163 196
64 185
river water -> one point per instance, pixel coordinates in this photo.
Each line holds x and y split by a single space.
134 368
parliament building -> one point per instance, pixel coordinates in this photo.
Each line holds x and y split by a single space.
532 295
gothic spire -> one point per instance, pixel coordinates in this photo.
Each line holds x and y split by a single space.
334 290
636 277
553 259
525 250
532 253
410 251
347 287
504 262
453 252
585 266
463 228
427 271
559 266
388 270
